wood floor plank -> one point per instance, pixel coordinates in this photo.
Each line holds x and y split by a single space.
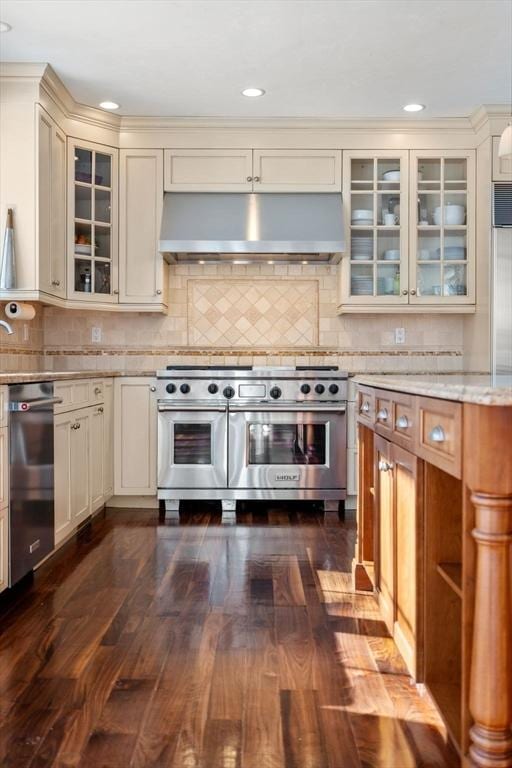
302 735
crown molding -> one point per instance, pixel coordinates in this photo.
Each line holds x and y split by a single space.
491 116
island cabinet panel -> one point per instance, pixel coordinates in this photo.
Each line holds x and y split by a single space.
440 433
386 530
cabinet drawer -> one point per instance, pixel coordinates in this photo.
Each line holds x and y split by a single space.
383 413
366 405
404 421
440 433
4 467
74 394
4 399
96 391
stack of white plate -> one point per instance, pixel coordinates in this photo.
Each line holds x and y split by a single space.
362 248
361 285
362 216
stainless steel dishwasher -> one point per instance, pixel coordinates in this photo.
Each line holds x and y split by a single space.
31 484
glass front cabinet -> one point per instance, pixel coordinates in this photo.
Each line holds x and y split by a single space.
409 222
92 226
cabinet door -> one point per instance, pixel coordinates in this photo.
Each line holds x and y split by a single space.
51 208
374 270
135 419
442 230
92 222
297 170
108 439
80 466
141 266
4 552
62 434
208 170
96 460
409 557
383 468
501 166
4 467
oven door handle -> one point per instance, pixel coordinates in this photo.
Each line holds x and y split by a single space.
288 409
186 408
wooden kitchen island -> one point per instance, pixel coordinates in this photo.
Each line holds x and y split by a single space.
435 543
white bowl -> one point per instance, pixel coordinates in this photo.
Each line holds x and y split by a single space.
453 214
392 255
361 213
391 175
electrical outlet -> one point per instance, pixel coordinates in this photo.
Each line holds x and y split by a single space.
26 332
399 335
96 335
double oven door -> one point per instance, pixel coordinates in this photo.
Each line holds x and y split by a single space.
192 447
287 447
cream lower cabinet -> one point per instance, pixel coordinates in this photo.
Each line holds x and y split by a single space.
108 439
72 467
97 456
135 436
4 509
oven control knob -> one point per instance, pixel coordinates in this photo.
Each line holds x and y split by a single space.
319 389
185 388
228 392
334 389
213 389
305 389
275 393
170 388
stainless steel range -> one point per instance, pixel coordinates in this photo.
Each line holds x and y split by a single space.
251 433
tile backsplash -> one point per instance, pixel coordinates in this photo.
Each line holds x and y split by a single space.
23 350
280 314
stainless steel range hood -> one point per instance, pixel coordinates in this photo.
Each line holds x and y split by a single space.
214 226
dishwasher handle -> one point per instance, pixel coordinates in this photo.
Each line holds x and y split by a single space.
28 405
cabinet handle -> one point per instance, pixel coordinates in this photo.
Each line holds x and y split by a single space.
365 408
97 390
249 178
382 415
405 292
402 422
256 178
158 292
100 410
56 282
115 291
413 292
385 466
152 389
437 435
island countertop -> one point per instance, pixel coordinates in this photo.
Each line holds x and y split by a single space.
480 389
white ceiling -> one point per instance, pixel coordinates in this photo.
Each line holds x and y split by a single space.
315 58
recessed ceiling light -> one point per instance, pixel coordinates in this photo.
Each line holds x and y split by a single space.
109 105
414 107
252 93
4 27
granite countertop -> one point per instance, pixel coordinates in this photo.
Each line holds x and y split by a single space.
479 389
29 376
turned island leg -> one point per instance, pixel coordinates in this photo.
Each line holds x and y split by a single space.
489 477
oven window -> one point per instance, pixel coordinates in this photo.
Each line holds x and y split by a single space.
192 443
287 443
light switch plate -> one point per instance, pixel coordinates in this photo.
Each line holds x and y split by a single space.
96 335
399 335
26 332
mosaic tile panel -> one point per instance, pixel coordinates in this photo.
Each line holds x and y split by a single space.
253 313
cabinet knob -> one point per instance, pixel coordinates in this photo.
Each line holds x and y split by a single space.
100 409
256 178
365 407
382 415
249 178
56 282
402 422
97 390
152 389
437 435
413 292
115 291
405 292
158 292
385 466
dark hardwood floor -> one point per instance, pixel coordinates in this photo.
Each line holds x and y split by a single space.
207 646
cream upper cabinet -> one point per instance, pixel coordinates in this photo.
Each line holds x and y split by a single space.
296 170
208 170
442 228
92 222
142 270
51 210
501 166
135 420
374 268
108 439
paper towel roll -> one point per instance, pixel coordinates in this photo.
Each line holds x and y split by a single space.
18 310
